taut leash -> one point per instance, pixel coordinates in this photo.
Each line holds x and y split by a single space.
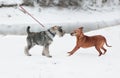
25 11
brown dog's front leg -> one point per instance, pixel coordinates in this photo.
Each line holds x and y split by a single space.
74 50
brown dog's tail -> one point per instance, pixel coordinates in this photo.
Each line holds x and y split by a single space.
28 29
107 44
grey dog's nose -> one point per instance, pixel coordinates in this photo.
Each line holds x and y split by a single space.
71 33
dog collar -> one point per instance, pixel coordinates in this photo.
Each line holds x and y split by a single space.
53 34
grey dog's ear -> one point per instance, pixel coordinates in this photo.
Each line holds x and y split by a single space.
60 26
81 28
54 27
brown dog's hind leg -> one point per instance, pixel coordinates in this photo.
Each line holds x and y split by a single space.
98 49
104 50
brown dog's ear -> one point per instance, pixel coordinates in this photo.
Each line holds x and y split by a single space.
81 28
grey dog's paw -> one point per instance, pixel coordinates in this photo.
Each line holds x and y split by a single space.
49 56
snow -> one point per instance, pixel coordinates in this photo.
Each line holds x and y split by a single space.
85 63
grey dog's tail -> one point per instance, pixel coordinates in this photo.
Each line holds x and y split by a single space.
28 29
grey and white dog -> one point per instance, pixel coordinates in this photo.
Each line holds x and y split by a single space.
43 38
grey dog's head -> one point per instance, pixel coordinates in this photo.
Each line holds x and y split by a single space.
58 30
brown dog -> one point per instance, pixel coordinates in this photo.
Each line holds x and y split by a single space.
88 41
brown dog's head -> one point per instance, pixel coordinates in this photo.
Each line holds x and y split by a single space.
77 32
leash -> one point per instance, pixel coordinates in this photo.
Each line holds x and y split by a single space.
25 11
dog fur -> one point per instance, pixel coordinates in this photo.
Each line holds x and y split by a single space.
88 41
43 38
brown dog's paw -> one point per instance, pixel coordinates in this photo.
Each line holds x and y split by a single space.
100 54
69 53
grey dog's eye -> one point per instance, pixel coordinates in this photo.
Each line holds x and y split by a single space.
60 29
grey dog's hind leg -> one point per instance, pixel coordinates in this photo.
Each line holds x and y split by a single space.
28 47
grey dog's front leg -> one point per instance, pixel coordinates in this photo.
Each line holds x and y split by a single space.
46 51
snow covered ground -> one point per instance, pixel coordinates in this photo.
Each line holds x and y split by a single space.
85 63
